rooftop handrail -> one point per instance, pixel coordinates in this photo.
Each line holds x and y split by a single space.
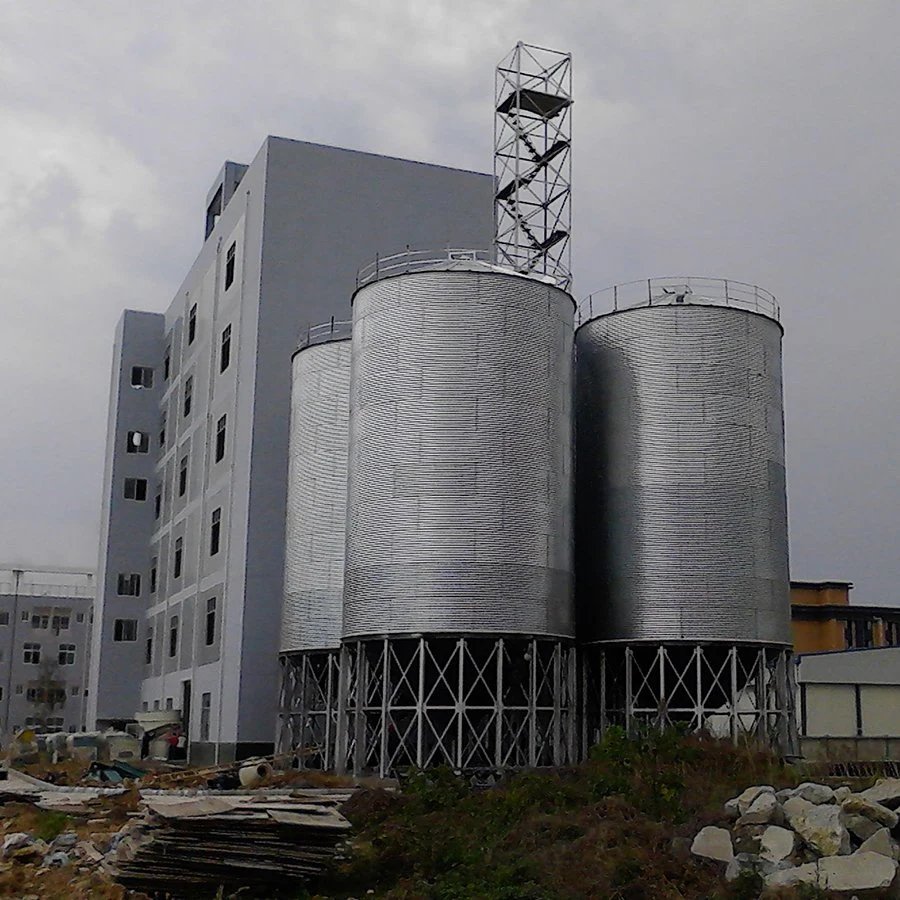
672 290
332 330
416 261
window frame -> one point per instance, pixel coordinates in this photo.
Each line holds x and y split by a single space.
128 584
188 398
141 446
31 653
143 376
230 258
215 531
183 475
173 636
137 487
124 627
221 437
178 558
192 324
225 349
210 621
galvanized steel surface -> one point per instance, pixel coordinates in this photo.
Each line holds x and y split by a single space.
317 497
682 514
460 468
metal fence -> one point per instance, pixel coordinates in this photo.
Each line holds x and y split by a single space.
323 333
417 261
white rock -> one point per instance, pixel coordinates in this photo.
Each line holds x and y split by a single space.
886 791
776 843
732 808
859 826
859 872
858 805
819 826
840 793
784 794
815 793
745 798
713 843
880 842
16 840
805 874
761 811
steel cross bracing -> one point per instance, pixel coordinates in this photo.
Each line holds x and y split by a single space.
476 704
533 162
736 691
307 708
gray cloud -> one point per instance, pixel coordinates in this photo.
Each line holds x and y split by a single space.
756 141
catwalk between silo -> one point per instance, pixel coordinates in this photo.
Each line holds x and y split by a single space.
682 553
458 588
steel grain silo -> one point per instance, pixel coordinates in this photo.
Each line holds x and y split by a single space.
459 519
682 542
314 541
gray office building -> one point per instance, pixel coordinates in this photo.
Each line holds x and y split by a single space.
192 535
45 630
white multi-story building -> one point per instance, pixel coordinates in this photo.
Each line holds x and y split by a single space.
45 630
192 534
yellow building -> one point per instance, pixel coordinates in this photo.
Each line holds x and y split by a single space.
822 618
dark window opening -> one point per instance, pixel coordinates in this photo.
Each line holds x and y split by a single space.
225 352
173 636
137 442
182 476
179 552
229 267
210 621
215 531
213 211
858 633
141 377
192 324
167 363
154 563
135 488
129 585
188 394
162 431
220 439
148 652
125 630
67 654
31 654
157 503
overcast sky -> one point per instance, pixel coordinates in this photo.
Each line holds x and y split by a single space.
758 141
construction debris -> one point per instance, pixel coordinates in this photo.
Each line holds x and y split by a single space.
270 841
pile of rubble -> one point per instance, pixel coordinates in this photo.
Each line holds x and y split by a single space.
833 839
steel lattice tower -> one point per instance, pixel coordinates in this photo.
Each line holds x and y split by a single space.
533 162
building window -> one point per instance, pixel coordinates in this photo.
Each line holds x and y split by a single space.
192 324
153 565
858 633
182 476
891 633
179 550
125 630
31 654
229 266
40 621
135 488
225 352
79 617
137 442
215 531
148 653
188 394
157 503
167 363
170 703
20 689
173 636
4 617
141 377
162 431
26 615
210 621
67 654
129 585
61 622
75 691
220 438
205 710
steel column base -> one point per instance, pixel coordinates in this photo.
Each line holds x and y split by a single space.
737 691
472 703
307 707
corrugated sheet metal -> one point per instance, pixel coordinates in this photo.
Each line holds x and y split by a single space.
460 468
682 514
317 498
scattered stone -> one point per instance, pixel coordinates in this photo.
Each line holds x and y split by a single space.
713 843
763 810
841 793
732 810
886 791
16 841
745 838
65 841
777 843
86 850
750 862
680 848
815 793
784 794
859 872
745 798
805 874
858 805
820 826
859 826
54 860
880 842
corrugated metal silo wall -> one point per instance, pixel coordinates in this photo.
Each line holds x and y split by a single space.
317 498
682 514
460 470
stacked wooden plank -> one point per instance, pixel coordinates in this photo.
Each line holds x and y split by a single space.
188 846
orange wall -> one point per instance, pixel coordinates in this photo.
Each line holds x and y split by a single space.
811 637
830 596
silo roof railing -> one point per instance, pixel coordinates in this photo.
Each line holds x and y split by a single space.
673 290
323 333
417 261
